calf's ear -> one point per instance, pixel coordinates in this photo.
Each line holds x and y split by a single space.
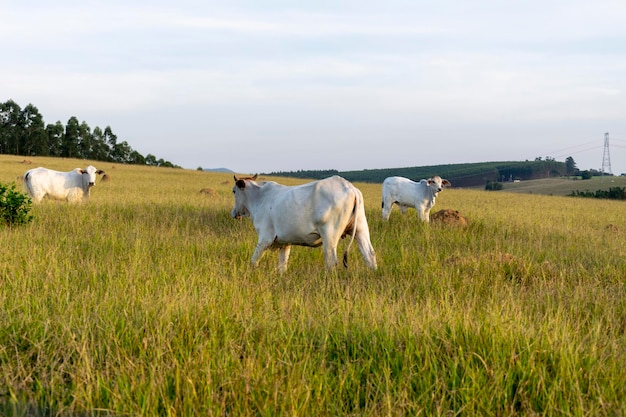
99 172
446 182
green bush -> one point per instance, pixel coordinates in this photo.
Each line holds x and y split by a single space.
14 206
493 186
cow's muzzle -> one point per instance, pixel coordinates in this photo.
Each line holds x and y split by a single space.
238 214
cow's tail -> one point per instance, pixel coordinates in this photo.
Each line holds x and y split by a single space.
355 211
27 183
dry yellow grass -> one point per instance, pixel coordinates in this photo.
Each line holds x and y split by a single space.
143 302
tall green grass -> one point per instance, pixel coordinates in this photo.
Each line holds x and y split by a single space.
143 302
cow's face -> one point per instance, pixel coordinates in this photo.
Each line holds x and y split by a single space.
239 191
89 175
436 183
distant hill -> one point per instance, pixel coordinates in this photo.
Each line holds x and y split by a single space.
218 170
564 186
460 175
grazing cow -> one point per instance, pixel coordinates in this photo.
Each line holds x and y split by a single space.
407 193
72 186
318 213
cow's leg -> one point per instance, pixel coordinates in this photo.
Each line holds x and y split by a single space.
330 255
260 249
283 258
330 241
387 205
37 196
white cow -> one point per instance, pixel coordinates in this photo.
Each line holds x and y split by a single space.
72 186
407 193
318 213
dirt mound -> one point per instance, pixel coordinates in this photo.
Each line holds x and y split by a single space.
449 217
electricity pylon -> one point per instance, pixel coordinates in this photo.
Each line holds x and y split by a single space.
606 158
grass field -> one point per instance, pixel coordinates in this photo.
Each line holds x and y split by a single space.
143 302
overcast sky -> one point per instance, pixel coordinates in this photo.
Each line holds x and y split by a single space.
262 86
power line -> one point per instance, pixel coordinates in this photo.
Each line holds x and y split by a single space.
571 149
585 147
575 152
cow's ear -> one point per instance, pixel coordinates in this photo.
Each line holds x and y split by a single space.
254 178
429 181
241 184
446 182
80 171
99 172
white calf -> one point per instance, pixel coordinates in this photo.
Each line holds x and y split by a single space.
72 186
407 193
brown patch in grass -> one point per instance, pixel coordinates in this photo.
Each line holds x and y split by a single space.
491 257
508 265
209 192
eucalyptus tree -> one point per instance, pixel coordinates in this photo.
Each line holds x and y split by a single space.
570 166
34 140
100 150
55 133
10 129
85 142
69 146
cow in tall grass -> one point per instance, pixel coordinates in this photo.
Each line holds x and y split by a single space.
72 186
319 213
408 193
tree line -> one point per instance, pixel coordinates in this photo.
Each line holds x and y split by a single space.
461 175
23 132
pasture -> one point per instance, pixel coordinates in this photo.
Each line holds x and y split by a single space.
143 302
